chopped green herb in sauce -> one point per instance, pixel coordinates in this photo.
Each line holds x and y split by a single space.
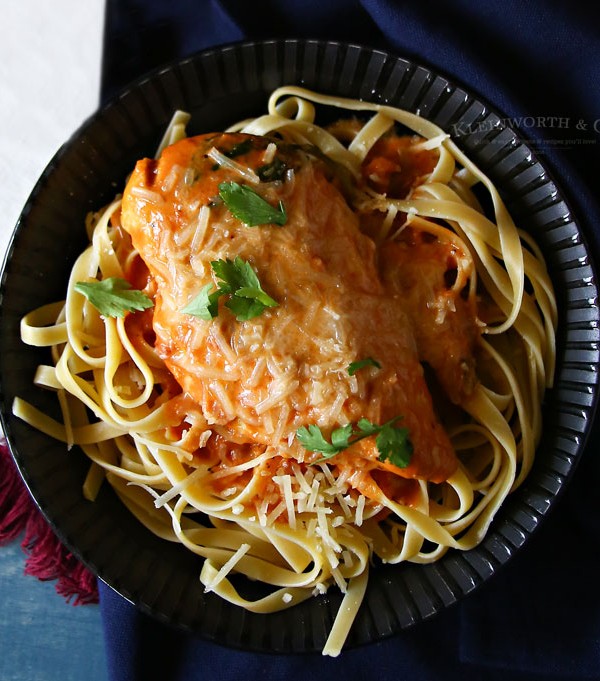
246 297
114 296
393 443
249 207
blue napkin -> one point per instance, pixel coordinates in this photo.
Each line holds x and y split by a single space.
539 618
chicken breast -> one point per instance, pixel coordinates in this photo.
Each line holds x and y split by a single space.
420 269
258 380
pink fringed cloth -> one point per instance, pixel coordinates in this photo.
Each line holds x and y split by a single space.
46 557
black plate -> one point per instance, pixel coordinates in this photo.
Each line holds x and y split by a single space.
219 87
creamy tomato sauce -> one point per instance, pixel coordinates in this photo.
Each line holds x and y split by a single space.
259 380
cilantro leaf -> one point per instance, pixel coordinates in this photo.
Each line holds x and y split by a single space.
244 309
340 437
240 148
204 305
257 293
247 299
113 296
273 171
393 443
249 207
234 274
353 367
367 428
312 439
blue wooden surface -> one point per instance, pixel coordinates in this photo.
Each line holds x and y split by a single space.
43 638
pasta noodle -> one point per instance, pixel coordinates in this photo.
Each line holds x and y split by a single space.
403 314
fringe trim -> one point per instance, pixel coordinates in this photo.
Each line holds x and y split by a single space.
47 558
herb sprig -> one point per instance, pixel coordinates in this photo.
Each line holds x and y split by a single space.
272 172
239 281
353 367
393 443
249 207
114 296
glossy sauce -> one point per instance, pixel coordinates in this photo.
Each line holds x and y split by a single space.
334 307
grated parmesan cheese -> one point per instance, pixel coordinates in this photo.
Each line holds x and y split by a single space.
339 580
289 499
360 507
172 178
276 512
227 567
147 195
320 589
243 171
269 153
200 229
179 487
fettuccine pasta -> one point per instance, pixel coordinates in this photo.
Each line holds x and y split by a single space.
298 348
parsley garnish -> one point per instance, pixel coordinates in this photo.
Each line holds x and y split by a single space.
239 149
246 205
273 171
114 296
246 300
204 305
393 443
353 367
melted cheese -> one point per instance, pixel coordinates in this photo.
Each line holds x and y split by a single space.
259 380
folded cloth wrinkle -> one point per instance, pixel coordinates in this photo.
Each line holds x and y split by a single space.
541 612
430 652
140 36
311 19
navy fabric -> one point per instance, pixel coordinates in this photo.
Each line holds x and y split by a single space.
538 64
